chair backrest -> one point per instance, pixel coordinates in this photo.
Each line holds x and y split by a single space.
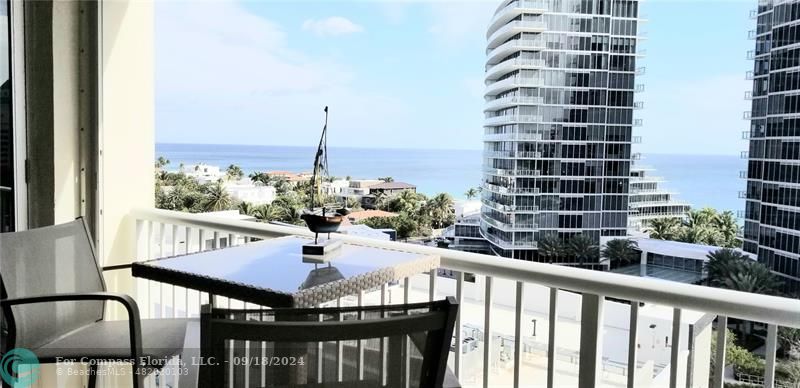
51 260
350 346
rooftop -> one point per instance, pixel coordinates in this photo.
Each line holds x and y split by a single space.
364 214
392 186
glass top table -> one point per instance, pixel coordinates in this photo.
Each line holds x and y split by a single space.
274 272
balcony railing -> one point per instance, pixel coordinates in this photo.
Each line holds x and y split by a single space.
513 100
751 54
751 34
743 174
526 24
495 120
495 88
501 295
745 135
495 71
748 95
744 154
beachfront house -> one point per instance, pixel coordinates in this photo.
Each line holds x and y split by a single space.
80 143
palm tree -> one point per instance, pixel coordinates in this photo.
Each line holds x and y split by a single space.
440 209
471 193
386 179
266 213
161 162
722 263
725 223
663 228
753 277
246 208
216 198
583 248
406 201
620 251
262 177
550 246
234 172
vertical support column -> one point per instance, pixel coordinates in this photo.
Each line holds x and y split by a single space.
432 285
188 241
360 344
174 240
520 307
591 356
162 238
551 338
202 243
675 350
487 332
772 347
633 332
719 356
459 332
151 231
216 240
643 264
406 343
383 370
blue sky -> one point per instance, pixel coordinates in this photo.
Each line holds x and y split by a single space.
409 74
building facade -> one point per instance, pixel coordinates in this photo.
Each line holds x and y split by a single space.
649 200
772 209
560 85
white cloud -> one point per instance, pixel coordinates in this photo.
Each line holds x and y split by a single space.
331 26
227 76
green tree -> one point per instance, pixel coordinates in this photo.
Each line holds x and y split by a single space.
262 177
550 246
441 210
722 263
725 223
664 228
753 277
471 193
583 248
268 212
246 208
620 252
789 339
216 198
386 179
161 162
352 203
406 201
234 172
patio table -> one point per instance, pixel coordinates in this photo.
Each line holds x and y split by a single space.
274 272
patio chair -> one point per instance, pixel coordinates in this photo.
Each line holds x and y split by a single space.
53 303
328 347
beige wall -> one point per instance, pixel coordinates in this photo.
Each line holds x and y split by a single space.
66 128
127 142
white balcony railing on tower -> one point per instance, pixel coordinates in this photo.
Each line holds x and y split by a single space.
496 308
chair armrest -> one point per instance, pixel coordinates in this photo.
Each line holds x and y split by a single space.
134 322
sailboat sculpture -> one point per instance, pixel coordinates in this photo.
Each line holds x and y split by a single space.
319 219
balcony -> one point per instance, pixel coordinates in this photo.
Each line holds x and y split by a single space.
497 54
638 105
514 9
494 311
744 154
641 70
495 88
748 95
505 102
508 119
751 54
636 140
637 122
747 115
743 174
745 135
751 34
638 88
494 72
514 28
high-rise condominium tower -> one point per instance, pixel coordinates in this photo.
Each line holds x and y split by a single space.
560 83
772 210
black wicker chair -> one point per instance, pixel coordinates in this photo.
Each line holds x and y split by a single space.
327 347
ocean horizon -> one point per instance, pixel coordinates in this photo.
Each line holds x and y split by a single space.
700 180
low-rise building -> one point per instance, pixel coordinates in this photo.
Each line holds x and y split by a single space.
254 193
202 172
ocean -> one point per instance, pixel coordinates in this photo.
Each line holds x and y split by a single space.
700 180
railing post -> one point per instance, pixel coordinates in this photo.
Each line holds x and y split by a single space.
772 347
675 350
459 333
174 240
633 330
520 308
591 345
719 357
487 332
432 285
551 338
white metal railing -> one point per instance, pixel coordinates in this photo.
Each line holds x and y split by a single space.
513 82
745 135
527 24
748 75
514 45
162 233
513 136
536 5
512 119
513 100
492 71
